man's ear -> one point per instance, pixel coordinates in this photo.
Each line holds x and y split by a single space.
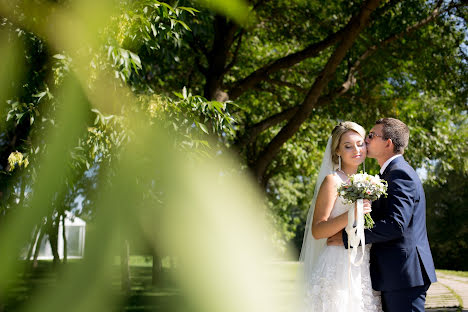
389 143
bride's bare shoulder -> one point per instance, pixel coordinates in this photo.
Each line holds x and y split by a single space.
331 180
333 177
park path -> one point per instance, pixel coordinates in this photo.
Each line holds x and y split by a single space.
450 292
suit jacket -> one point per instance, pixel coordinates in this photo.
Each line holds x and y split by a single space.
400 256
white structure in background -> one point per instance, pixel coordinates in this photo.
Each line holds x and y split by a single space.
75 229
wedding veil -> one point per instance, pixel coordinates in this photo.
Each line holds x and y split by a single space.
312 247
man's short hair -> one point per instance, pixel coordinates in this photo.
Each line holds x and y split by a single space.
397 131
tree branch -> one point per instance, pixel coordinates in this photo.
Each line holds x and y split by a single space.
436 12
284 62
352 30
309 52
197 47
253 131
351 80
259 3
236 52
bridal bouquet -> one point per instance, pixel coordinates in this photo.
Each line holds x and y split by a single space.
363 186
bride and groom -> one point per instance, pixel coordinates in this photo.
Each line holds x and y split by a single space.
397 269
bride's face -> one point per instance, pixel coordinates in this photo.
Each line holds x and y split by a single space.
352 148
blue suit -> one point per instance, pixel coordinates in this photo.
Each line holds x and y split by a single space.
401 264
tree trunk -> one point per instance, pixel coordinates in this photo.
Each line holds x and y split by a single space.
33 242
157 268
53 227
22 190
38 246
218 56
64 237
124 266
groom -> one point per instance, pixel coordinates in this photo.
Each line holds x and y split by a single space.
401 264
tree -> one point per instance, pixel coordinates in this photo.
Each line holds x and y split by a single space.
345 53
273 75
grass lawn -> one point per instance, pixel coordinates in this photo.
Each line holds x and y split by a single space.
143 296
456 273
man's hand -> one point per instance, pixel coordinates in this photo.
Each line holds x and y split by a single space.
336 240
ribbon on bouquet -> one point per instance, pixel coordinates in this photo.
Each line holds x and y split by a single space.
356 233
355 236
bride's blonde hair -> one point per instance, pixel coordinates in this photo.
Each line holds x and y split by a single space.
338 132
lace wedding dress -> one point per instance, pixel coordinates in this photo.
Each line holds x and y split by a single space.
335 285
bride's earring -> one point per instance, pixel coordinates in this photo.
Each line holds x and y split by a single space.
364 166
339 162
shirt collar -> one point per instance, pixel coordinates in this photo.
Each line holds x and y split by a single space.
384 166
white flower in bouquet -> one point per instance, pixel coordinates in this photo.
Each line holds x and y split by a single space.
363 186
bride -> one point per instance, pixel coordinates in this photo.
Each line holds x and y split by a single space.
331 282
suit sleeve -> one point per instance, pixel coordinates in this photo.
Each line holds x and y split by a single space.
397 210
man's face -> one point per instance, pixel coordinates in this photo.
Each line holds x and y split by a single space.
375 142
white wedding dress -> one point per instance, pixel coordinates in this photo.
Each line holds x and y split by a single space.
335 285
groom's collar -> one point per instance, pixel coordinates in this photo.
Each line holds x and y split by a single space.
384 166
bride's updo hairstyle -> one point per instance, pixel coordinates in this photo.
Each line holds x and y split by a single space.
338 132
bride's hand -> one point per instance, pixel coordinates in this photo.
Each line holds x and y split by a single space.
366 207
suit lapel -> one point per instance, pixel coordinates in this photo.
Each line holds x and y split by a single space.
391 165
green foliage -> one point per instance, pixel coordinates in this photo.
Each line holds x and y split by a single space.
446 221
191 119
27 110
124 61
142 30
61 67
17 159
287 195
202 111
147 23
140 26
438 132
